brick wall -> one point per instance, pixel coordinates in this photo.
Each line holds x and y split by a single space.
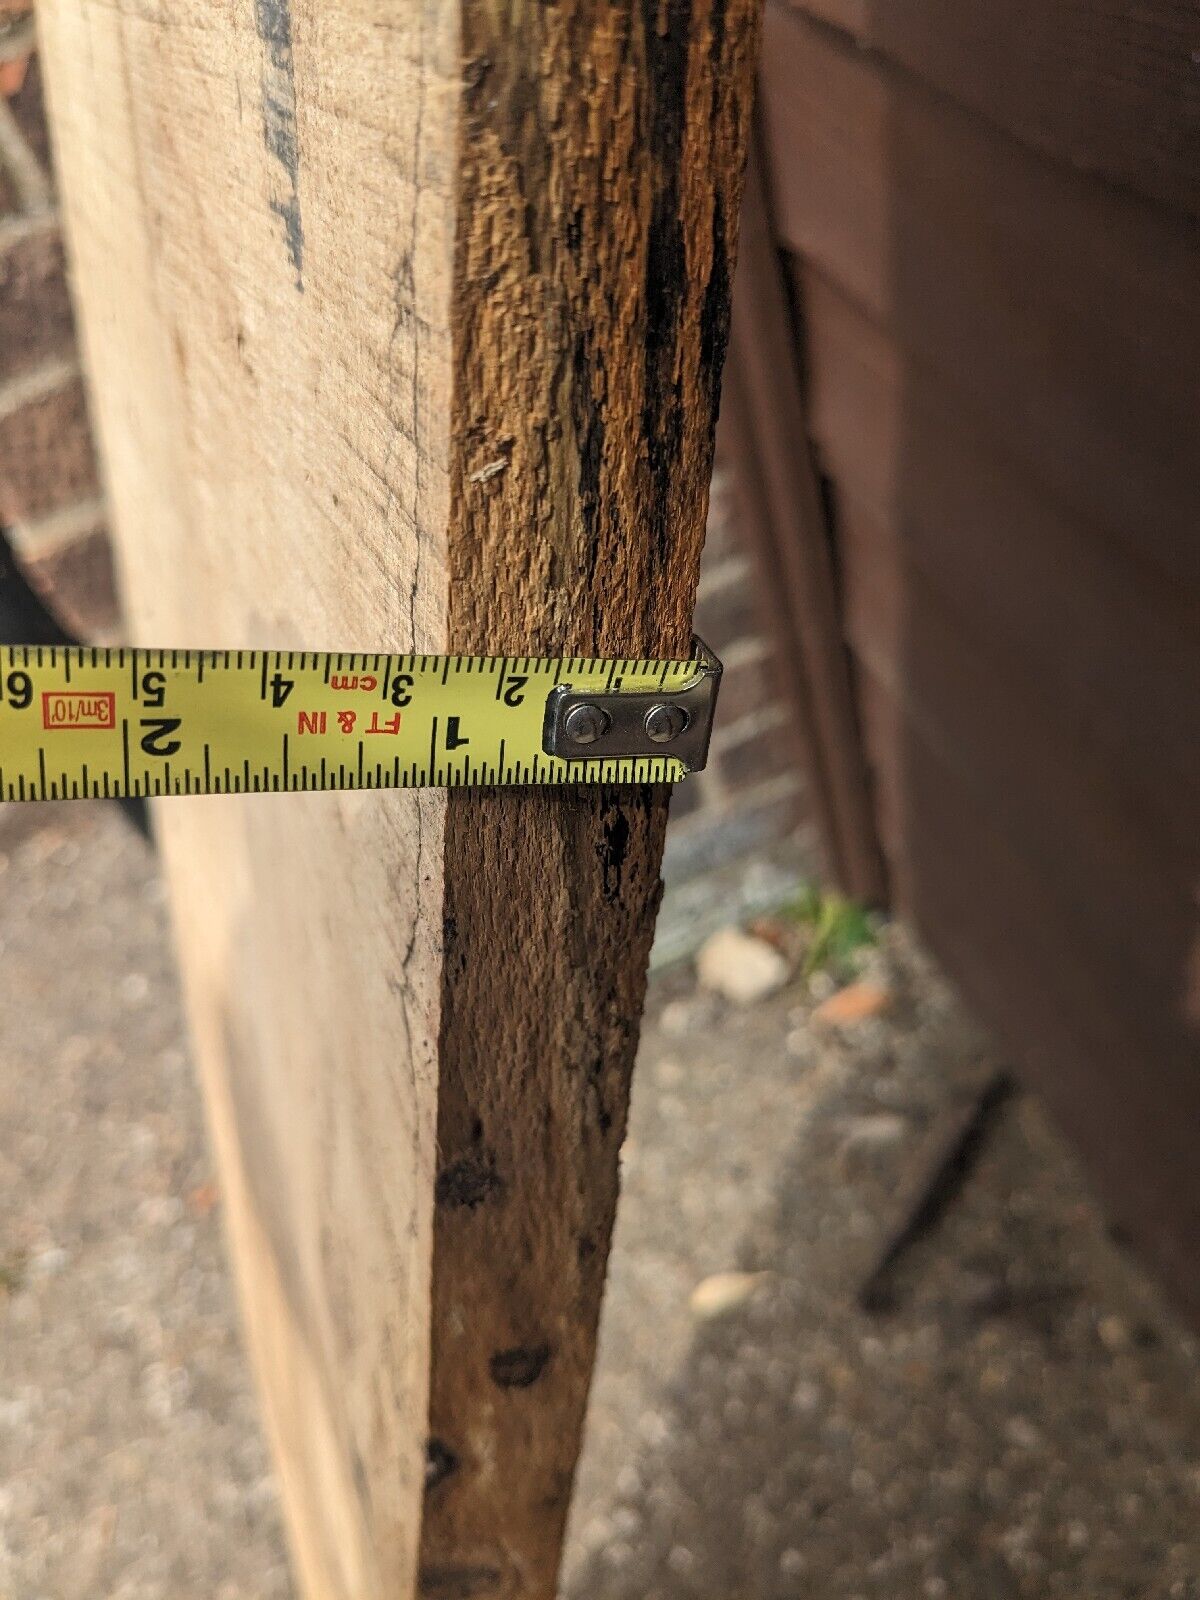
51 511
50 504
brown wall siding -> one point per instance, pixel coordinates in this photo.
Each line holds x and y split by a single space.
1001 357
1105 89
1062 314
1041 592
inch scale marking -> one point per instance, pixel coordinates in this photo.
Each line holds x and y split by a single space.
83 721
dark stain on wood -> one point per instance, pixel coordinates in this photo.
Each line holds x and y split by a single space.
666 256
362 1481
459 1582
273 24
614 847
715 314
440 1463
520 1367
588 420
469 1180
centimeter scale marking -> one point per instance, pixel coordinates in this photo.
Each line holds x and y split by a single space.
84 721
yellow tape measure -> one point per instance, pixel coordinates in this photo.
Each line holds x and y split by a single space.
80 722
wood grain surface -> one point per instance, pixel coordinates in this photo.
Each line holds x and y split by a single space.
602 160
405 328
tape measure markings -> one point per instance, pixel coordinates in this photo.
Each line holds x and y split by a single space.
112 722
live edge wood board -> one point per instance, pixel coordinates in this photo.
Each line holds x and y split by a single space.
405 326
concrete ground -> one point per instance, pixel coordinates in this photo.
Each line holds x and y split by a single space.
1024 1421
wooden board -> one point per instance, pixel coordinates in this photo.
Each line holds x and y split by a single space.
405 328
784 520
1108 89
1062 316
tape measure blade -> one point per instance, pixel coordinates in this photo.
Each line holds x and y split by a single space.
123 722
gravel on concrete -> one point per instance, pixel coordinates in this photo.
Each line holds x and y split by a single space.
1024 1421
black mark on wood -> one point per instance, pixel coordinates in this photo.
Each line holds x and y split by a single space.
273 22
469 1180
458 1582
715 314
520 1367
667 34
440 1463
613 849
362 1483
588 418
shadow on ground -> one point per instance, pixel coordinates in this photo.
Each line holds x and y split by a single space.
1024 1422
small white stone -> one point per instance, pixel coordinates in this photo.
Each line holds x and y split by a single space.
48 1263
740 967
1021 1432
160 1211
134 988
878 1132
653 1428
675 1018
806 1397
821 985
722 1292
1114 1333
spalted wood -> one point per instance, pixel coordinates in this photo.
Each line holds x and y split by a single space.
1108 89
405 326
602 159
